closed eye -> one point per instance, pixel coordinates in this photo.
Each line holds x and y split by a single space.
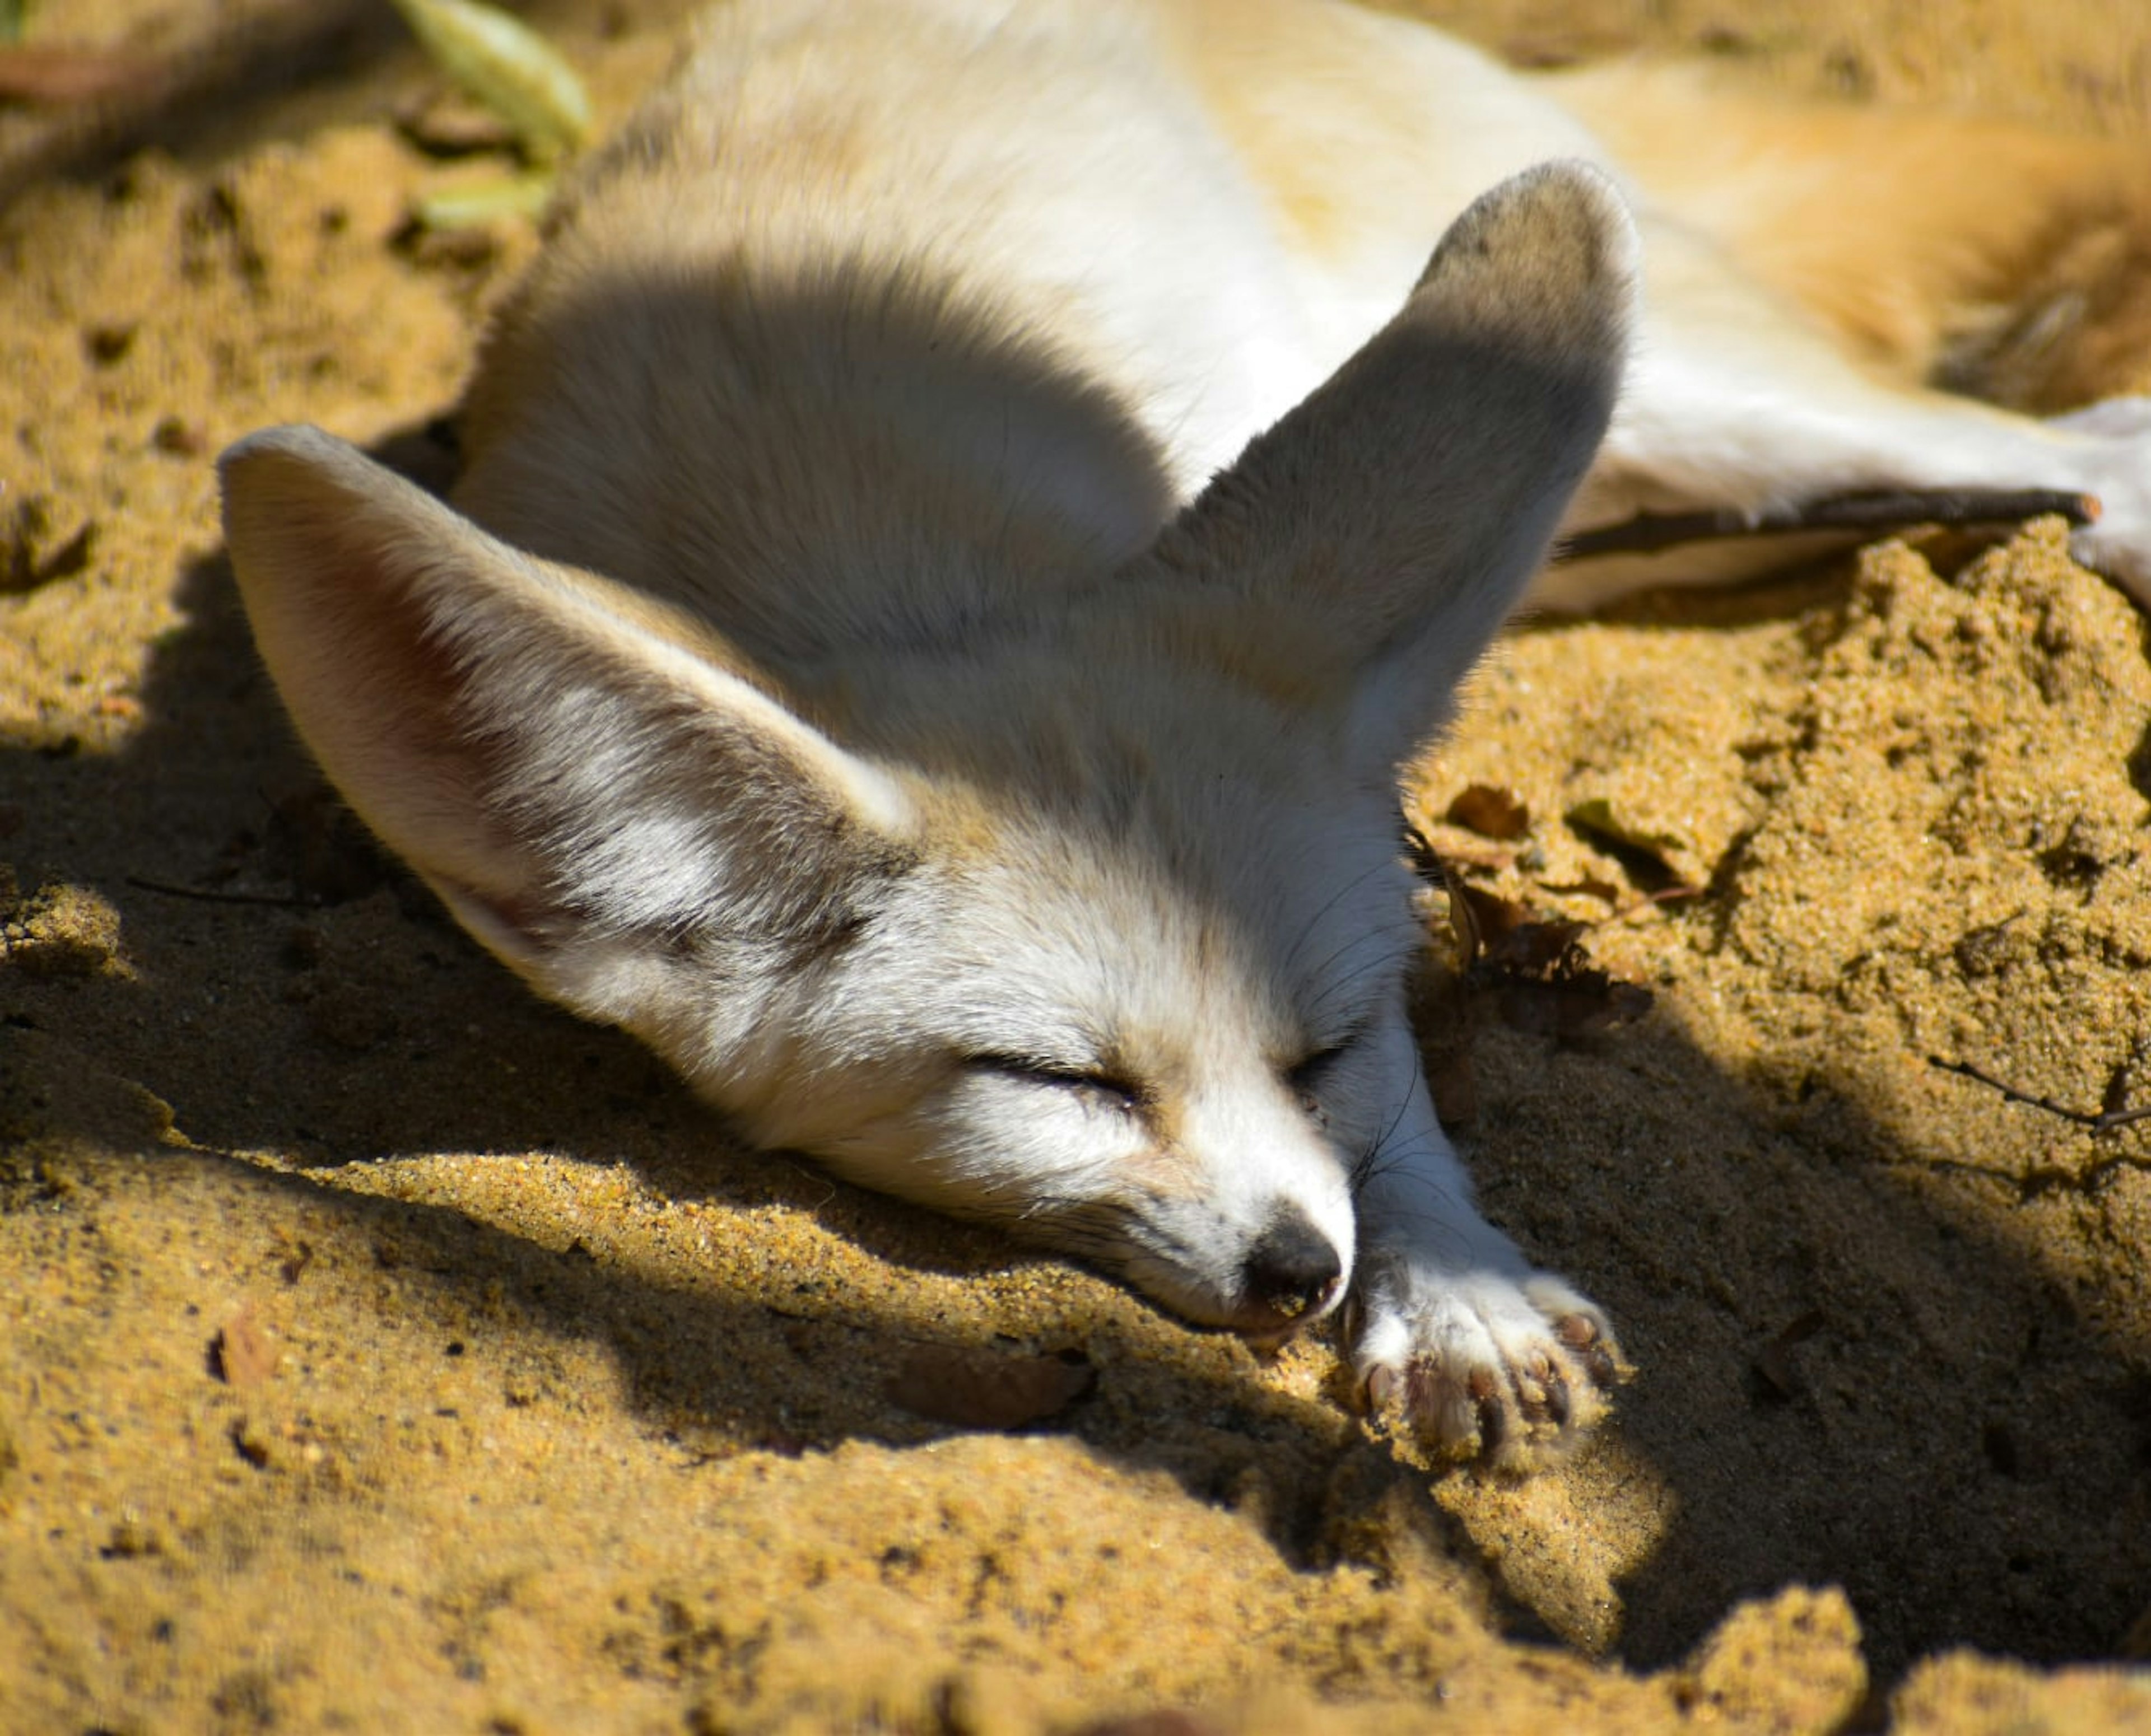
1306 1075
1031 1070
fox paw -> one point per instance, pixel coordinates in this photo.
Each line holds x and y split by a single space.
1508 1370
2117 452
2121 418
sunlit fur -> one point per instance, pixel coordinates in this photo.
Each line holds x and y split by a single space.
962 523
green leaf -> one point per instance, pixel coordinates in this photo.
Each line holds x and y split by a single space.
1596 819
500 61
521 196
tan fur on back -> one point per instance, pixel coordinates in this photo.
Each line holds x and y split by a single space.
1992 257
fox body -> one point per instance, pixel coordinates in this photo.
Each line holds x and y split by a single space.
962 525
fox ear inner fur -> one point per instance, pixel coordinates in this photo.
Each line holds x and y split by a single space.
537 742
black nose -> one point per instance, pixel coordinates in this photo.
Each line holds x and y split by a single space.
1291 1266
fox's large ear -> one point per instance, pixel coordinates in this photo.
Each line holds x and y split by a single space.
1399 511
591 782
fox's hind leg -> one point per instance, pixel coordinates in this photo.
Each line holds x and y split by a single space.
1736 401
1810 270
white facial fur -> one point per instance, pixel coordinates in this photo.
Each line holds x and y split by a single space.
1151 1054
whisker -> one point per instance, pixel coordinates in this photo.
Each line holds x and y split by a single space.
1307 929
1380 964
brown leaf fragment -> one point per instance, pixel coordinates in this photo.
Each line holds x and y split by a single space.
979 1389
1491 812
1774 1362
1570 1008
1540 979
241 1354
1454 1085
1493 918
1536 946
54 73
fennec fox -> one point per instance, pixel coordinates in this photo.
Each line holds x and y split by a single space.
962 525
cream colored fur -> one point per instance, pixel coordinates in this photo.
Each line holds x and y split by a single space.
963 521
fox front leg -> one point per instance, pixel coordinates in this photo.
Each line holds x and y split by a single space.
1485 1355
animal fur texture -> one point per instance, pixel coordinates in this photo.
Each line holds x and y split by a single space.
965 521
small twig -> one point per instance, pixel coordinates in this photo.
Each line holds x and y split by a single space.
204 895
2104 1121
1878 510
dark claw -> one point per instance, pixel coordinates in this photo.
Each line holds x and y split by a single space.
1533 1382
1600 1355
1493 1417
1557 1406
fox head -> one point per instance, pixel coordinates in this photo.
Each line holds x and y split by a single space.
1089 917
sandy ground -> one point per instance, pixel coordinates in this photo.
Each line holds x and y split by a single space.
380 1350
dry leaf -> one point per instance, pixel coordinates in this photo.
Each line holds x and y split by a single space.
1535 968
1579 1006
1491 917
241 1354
1534 947
1491 812
1774 1363
1640 848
